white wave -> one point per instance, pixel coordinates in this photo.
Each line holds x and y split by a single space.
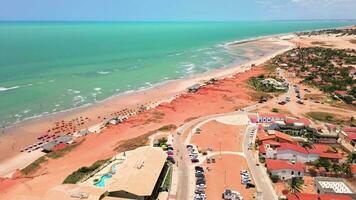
26 111
103 72
3 89
97 89
51 81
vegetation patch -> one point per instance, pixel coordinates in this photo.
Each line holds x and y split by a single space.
141 140
267 84
82 172
168 179
34 166
190 119
326 117
275 110
330 70
64 151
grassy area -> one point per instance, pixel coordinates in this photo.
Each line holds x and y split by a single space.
142 140
168 179
34 166
167 127
275 110
326 117
82 172
53 155
64 151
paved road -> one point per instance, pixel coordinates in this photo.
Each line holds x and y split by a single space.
186 173
265 190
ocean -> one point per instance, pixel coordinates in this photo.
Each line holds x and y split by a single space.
47 67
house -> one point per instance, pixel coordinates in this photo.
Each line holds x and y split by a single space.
284 169
333 186
353 170
268 118
340 93
194 88
64 139
276 136
347 139
305 196
294 152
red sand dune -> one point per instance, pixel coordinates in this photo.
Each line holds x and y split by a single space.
101 146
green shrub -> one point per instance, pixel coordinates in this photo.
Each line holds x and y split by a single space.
78 175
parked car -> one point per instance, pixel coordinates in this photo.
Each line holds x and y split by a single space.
171 159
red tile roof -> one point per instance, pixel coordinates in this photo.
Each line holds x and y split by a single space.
283 136
330 155
292 147
59 147
304 196
340 92
262 136
281 164
353 168
349 129
351 136
262 148
334 197
304 121
271 142
253 119
331 126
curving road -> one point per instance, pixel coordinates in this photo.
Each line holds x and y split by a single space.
185 188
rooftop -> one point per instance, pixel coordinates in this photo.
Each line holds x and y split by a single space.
281 164
332 185
140 171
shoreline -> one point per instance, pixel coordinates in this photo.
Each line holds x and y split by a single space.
140 89
26 132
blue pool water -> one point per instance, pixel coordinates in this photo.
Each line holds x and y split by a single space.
101 182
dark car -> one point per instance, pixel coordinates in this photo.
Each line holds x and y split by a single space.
199 168
171 159
250 185
281 102
195 160
189 146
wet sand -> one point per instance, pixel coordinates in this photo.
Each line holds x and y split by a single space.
227 94
26 133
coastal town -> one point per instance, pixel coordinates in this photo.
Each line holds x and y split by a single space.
282 129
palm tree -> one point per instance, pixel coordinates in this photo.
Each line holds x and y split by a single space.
336 168
351 158
295 185
346 168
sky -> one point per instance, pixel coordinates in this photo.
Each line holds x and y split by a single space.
175 10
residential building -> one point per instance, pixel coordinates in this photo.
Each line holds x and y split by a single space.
305 196
334 186
284 169
296 153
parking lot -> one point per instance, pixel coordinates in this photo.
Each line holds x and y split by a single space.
225 174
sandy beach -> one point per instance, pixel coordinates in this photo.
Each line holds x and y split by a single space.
23 134
229 93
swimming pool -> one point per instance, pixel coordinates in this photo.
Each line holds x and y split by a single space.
101 182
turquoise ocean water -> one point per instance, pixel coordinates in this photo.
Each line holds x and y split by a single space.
52 66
